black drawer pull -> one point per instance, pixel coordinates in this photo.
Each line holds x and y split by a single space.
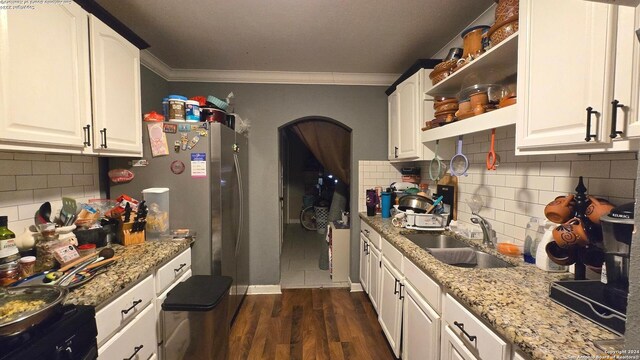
87 135
614 119
590 136
137 349
135 303
180 268
400 292
103 136
461 327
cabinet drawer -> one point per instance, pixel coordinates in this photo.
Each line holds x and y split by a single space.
392 254
136 336
172 270
369 233
120 311
428 288
487 344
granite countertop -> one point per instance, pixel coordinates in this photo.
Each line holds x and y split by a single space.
513 301
136 263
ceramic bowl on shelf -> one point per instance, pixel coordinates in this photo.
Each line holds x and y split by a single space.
502 30
494 92
506 9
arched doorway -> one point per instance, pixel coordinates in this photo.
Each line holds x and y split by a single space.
314 169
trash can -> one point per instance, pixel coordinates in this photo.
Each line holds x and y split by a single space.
194 319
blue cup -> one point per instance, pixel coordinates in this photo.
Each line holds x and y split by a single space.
386 205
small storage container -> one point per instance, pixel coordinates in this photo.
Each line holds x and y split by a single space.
177 108
192 110
157 200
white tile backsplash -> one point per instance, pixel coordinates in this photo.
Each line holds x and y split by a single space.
521 186
29 179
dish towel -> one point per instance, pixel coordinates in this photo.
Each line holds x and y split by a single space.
455 255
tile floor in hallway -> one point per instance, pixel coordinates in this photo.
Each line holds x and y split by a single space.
300 260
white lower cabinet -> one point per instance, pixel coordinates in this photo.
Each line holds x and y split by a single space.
453 348
390 306
134 341
364 263
420 328
477 338
375 267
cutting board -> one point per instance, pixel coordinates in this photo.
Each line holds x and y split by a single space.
449 184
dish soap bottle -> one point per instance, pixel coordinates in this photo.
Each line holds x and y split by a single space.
531 239
8 249
542 259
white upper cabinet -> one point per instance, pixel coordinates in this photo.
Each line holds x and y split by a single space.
44 78
575 59
565 68
406 118
115 76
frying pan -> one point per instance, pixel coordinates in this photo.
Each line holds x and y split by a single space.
51 295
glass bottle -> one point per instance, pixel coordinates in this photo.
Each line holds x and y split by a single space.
8 249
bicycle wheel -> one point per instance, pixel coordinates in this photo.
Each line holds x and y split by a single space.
308 218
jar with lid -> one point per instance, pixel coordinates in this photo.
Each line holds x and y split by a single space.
45 259
177 108
9 273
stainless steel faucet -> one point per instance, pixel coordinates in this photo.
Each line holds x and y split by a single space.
489 237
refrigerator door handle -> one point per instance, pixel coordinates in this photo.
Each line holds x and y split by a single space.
240 195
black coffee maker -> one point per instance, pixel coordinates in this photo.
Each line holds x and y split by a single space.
617 229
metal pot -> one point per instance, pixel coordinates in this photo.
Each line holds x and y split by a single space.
417 203
51 295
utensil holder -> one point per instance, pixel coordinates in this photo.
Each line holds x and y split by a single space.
126 237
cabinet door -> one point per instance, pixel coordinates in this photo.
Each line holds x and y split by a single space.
627 79
374 276
115 78
390 307
364 263
409 109
44 76
453 348
564 66
393 116
137 340
420 328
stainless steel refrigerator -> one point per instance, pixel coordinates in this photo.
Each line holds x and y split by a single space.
208 194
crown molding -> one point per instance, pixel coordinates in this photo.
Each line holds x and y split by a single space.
163 70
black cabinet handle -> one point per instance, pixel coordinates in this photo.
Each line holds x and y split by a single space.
137 349
590 136
614 119
395 286
87 135
135 303
400 292
366 232
461 327
103 138
180 268
395 152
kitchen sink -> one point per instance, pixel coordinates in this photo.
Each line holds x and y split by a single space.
435 241
454 252
469 258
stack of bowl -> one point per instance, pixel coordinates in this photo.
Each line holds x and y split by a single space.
506 21
445 109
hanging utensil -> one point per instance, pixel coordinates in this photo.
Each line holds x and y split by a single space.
459 163
493 159
436 167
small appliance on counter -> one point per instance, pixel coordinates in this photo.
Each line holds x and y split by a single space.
605 301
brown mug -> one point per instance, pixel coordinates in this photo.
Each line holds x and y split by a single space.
559 255
560 209
570 233
597 208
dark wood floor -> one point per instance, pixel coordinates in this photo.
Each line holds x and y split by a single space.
308 324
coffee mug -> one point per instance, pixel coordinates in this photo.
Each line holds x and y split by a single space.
559 255
570 233
597 208
399 219
560 209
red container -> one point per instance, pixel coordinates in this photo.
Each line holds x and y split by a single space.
210 114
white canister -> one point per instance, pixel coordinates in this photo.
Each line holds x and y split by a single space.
542 259
192 110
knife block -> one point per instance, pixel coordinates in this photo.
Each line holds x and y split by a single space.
126 237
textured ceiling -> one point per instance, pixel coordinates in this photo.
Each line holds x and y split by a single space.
360 36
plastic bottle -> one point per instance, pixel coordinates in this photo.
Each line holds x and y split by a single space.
531 240
386 205
542 259
8 249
